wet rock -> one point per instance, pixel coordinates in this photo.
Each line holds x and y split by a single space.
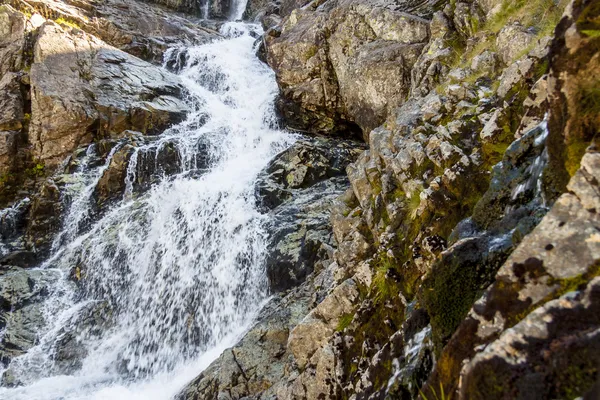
43 219
89 323
111 185
258 364
306 163
300 234
21 314
22 259
299 186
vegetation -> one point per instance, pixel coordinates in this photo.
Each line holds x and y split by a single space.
344 321
542 15
441 396
65 22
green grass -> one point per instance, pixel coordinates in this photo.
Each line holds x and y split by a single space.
344 321
382 287
441 396
543 15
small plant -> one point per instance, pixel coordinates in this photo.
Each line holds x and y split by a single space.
344 321
70 24
413 203
36 171
589 100
441 396
384 287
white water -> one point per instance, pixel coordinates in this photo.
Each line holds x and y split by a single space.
176 274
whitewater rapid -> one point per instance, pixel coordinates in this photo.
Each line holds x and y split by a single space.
173 275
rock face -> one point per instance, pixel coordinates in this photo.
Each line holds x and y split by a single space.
21 315
84 89
344 67
139 28
456 252
456 241
298 188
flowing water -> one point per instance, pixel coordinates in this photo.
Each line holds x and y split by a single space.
171 276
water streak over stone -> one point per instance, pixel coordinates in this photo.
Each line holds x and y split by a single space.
173 275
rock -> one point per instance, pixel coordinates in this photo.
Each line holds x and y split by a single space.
11 121
468 18
573 73
432 106
11 103
12 40
543 356
219 9
299 186
258 364
306 163
316 328
486 62
350 83
300 234
20 258
512 40
515 77
21 316
83 89
111 185
558 256
89 323
43 219
139 28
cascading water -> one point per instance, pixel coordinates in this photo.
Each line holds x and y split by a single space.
173 276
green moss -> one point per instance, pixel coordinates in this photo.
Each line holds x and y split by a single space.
65 22
589 99
576 380
574 283
593 33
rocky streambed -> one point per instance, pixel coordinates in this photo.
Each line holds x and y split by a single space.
398 201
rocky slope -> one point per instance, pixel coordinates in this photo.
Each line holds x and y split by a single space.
454 254
465 256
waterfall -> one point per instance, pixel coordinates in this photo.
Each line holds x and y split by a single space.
171 276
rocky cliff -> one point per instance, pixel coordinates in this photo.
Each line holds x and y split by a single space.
465 258
436 233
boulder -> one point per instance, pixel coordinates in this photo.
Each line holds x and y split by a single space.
512 40
143 29
21 314
339 70
559 256
299 186
83 89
